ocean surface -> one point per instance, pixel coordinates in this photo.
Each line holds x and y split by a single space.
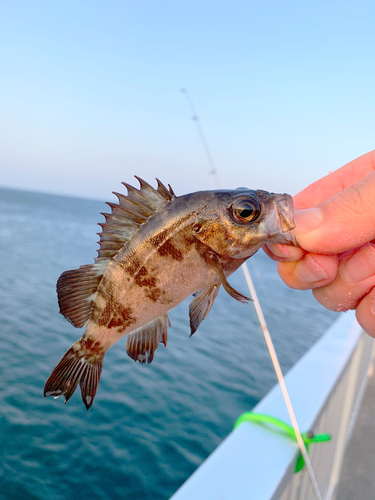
152 425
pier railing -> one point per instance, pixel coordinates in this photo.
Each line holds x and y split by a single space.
326 388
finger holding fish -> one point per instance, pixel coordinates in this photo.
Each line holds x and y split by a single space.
309 272
283 252
354 280
365 312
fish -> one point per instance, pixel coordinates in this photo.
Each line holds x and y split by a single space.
157 249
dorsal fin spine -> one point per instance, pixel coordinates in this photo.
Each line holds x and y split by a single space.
118 222
132 206
135 195
145 185
126 213
164 191
158 197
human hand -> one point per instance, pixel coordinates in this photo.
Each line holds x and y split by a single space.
335 226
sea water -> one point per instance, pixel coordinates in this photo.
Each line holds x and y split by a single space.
152 425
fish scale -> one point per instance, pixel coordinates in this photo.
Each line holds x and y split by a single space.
156 249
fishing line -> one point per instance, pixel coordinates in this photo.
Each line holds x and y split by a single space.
262 321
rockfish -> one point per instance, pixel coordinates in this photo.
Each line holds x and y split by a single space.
156 249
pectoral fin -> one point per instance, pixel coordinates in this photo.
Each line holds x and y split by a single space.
215 264
143 342
201 305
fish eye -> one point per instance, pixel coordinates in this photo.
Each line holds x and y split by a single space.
246 209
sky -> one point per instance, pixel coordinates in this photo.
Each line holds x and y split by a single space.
91 92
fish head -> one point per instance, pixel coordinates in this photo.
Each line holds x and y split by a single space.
238 222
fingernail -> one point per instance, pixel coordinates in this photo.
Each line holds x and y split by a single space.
309 270
361 266
307 220
278 249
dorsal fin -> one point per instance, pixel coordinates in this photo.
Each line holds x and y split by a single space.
76 289
129 214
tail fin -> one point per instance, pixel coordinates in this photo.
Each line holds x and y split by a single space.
82 364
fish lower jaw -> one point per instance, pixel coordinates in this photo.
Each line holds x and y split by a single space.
286 238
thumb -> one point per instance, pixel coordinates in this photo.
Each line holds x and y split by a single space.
344 221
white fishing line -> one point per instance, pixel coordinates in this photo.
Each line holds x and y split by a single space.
262 321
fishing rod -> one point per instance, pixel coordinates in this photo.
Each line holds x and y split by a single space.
202 136
258 309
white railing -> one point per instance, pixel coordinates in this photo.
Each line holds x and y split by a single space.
326 388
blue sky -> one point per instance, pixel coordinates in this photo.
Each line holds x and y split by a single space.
90 92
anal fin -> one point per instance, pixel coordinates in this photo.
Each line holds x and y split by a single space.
201 305
143 342
213 261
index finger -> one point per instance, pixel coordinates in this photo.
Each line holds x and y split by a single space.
335 182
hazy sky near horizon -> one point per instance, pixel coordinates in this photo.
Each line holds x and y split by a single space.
90 92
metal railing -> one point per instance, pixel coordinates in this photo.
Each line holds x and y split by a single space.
326 387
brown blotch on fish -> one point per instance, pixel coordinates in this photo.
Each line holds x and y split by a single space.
89 348
144 279
154 294
131 268
122 318
169 250
158 239
106 313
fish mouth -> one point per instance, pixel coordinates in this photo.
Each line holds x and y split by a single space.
283 220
